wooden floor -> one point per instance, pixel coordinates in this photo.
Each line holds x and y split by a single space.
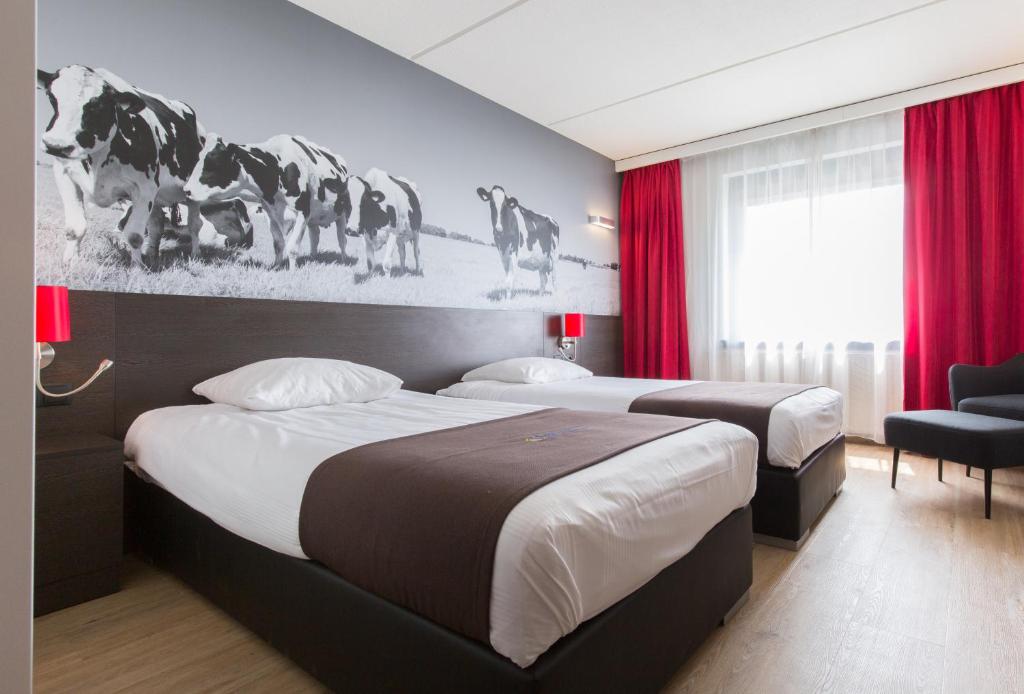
895 591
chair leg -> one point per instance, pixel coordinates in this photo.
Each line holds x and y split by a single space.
940 469
895 464
968 470
988 493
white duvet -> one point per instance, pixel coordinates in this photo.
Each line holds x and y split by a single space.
565 553
797 426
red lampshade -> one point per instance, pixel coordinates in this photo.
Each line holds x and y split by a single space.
573 325
53 319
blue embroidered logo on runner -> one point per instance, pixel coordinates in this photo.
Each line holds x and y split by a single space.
556 434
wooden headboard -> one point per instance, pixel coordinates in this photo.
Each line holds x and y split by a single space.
163 345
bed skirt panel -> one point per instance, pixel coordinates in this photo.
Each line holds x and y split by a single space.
789 501
352 640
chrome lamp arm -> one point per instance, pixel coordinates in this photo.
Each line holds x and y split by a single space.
44 355
567 348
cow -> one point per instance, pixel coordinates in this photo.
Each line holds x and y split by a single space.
367 215
401 206
115 143
515 226
508 235
229 219
299 185
542 236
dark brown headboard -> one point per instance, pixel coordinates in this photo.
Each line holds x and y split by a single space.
163 345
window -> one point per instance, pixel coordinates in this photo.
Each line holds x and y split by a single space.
794 262
793 241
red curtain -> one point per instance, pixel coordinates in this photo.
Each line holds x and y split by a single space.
963 238
653 280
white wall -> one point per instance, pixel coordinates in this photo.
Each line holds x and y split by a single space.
17 412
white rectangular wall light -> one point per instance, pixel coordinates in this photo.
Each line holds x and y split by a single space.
603 222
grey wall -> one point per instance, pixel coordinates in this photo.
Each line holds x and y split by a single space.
17 34
255 68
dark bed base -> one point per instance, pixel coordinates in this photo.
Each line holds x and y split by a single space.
353 641
788 502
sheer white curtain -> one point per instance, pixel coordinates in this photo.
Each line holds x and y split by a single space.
794 254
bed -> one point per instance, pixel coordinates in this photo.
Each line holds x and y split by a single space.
802 464
605 579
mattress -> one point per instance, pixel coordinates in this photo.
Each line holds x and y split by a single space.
797 427
565 553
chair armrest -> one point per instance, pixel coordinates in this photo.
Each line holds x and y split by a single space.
967 381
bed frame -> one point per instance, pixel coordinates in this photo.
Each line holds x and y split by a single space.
352 640
789 501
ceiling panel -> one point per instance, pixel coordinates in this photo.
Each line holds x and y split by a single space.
406 27
907 52
552 59
626 77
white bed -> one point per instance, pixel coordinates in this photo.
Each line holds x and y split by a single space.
565 553
798 426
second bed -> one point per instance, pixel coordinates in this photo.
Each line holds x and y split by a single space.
802 461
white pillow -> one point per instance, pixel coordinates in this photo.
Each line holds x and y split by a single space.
528 370
285 384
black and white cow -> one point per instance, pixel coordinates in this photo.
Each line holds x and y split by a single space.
400 209
542 236
367 215
229 219
116 143
515 226
299 184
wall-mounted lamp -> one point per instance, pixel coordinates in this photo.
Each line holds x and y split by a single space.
603 222
53 324
572 330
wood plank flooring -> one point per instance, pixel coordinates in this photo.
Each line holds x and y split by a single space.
895 591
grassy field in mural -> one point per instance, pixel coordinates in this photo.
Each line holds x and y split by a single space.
456 272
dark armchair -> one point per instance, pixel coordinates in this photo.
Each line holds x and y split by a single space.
996 391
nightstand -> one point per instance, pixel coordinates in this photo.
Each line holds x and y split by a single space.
79 506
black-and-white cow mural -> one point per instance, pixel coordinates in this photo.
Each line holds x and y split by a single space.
508 234
135 192
516 227
227 223
367 216
113 142
401 206
297 183
222 224
542 245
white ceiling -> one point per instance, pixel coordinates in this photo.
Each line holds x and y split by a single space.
626 77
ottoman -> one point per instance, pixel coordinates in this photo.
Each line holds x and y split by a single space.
972 439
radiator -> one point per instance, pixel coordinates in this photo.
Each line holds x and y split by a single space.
870 379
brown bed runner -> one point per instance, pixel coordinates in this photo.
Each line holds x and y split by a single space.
748 404
416 519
